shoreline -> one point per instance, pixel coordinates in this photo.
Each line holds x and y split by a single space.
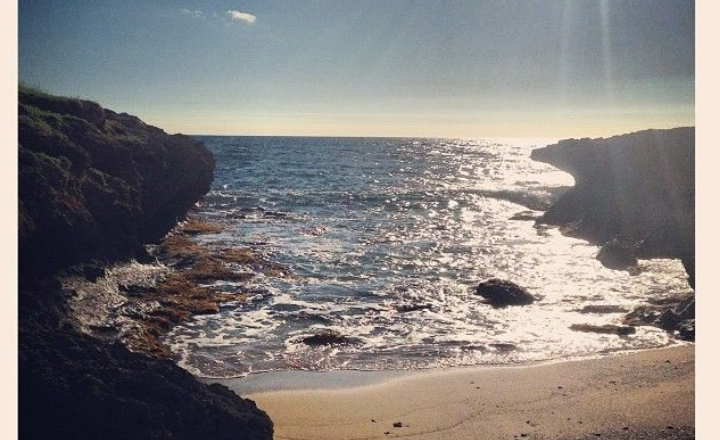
646 394
260 382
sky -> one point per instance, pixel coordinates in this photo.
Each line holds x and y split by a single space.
451 68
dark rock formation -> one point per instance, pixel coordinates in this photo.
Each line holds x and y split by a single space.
681 319
74 387
676 315
635 195
93 187
637 189
94 184
502 293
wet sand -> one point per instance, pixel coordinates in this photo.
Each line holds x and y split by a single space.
649 394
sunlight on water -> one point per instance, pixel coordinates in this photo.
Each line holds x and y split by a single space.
389 239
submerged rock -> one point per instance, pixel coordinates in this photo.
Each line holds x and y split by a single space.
501 293
620 330
406 308
330 339
603 308
526 215
504 347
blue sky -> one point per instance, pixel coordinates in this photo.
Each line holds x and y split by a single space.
452 68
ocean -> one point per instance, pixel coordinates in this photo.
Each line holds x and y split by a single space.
386 240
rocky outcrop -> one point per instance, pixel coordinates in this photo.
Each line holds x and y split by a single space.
94 186
637 190
74 387
635 195
502 293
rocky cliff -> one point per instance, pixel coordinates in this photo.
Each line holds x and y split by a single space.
634 193
94 186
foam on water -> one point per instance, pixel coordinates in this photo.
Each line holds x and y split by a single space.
388 239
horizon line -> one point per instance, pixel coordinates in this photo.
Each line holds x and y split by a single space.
433 137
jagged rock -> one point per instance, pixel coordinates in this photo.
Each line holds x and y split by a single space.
686 330
501 293
75 387
94 186
681 319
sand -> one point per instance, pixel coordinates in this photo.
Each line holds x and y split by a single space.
649 394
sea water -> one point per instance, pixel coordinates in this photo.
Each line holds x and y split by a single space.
386 240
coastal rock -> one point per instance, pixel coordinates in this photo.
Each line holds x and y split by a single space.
410 307
502 293
617 255
526 216
620 330
329 338
637 189
677 317
94 185
681 319
75 387
602 308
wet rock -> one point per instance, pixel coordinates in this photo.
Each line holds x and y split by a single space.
405 308
526 216
679 320
330 339
502 293
504 347
617 255
602 308
620 330
686 330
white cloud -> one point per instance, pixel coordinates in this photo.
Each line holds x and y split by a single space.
196 13
242 16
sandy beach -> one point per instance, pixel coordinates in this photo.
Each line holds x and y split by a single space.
648 394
